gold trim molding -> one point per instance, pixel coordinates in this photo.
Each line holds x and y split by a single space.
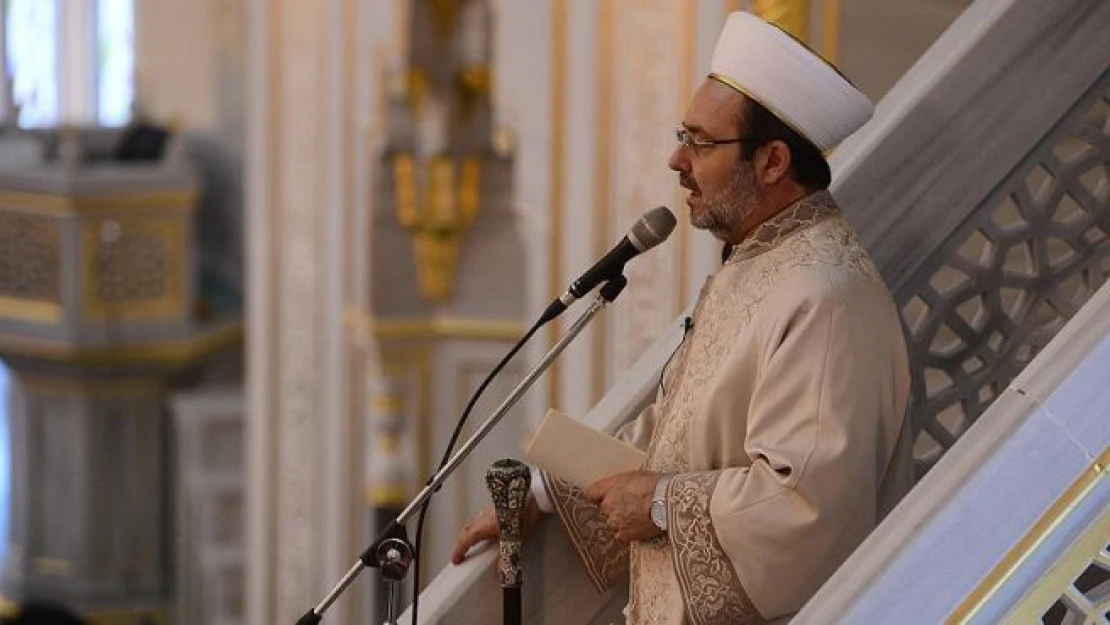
437 328
789 15
8 609
93 389
795 17
413 365
449 328
167 352
1045 526
51 204
53 567
603 173
830 31
138 616
35 311
560 35
1064 572
378 496
687 70
437 203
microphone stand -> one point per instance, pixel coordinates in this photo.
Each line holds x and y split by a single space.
391 551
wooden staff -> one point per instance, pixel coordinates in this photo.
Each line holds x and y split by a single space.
508 482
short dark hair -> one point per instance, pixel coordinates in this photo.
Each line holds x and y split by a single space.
810 168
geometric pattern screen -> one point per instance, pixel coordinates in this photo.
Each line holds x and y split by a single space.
993 295
30 257
1086 600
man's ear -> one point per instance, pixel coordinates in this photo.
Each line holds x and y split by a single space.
773 162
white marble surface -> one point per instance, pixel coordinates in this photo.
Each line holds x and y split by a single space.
304 468
556 590
1082 403
962 532
962 118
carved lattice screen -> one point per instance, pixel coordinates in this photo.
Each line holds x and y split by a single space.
1026 260
1087 598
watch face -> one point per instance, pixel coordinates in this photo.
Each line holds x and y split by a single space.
659 515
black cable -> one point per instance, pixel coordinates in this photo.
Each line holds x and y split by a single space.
687 325
609 292
447 456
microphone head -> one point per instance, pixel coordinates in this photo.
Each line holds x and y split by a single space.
652 228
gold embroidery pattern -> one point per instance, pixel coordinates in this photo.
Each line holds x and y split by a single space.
727 303
806 212
655 598
654 595
692 573
605 558
714 595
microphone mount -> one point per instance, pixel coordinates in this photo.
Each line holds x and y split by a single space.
388 551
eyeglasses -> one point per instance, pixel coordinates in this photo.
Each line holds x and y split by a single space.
687 140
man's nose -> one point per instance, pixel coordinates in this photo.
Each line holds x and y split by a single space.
679 160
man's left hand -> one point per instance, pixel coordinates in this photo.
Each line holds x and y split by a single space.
625 501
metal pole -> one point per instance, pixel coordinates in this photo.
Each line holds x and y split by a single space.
607 294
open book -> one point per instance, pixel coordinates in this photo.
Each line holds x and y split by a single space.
576 452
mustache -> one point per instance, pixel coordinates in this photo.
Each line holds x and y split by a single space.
687 182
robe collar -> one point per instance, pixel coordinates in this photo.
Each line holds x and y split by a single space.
805 212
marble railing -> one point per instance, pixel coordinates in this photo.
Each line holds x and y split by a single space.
1011 517
986 205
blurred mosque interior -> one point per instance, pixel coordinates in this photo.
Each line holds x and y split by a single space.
256 255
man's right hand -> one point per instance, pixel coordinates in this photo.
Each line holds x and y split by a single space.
484 527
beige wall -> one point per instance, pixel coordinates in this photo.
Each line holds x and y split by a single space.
881 39
189 60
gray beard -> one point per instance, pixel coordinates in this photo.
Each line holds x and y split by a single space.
723 214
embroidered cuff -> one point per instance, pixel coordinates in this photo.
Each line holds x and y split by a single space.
605 558
710 586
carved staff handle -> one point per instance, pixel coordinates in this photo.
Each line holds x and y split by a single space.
508 482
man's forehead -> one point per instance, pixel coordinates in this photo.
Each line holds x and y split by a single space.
714 108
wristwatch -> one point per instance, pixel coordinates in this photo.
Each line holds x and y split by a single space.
659 502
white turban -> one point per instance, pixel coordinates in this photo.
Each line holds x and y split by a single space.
798 86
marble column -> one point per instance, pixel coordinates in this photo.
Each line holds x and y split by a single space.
593 140
305 135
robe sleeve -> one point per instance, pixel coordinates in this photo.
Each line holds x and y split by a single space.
761 539
604 557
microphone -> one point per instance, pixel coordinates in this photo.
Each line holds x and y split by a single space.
651 229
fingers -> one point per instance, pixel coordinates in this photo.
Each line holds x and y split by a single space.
617 528
610 517
483 527
467 538
596 492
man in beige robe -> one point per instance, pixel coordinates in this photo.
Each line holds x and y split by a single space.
778 438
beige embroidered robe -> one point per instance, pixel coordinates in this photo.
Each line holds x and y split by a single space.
783 414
